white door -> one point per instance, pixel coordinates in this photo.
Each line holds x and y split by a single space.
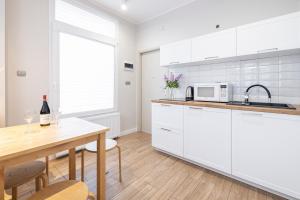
2 63
207 137
152 85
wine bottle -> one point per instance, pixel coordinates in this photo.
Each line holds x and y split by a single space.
45 113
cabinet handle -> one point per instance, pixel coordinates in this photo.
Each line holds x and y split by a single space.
210 58
252 114
196 108
267 50
172 63
164 129
165 105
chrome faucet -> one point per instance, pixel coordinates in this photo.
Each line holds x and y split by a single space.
246 97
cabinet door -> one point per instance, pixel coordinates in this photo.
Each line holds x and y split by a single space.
213 46
168 140
281 33
207 137
266 150
167 128
167 115
175 53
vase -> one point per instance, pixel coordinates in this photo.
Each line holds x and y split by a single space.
171 93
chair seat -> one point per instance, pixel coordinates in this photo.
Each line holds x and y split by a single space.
74 190
20 174
109 144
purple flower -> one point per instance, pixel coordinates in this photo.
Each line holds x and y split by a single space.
178 77
172 77
165 77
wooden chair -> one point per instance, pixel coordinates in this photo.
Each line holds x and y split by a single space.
7 197
110 144
64 190
20 174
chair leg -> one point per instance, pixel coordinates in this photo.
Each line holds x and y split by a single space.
44 179
91 196
14 193
82 165
37 184
47 166
120 164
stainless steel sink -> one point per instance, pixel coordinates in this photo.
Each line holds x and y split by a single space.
259 104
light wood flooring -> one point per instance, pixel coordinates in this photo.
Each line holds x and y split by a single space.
149 174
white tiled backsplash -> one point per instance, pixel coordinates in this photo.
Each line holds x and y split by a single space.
281 75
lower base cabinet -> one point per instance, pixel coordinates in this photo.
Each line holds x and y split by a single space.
167 125
266 150
207 137
259 148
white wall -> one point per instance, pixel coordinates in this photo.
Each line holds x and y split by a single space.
2 63
127 93
201 16
28 49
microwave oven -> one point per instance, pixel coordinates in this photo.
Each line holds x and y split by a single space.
216 92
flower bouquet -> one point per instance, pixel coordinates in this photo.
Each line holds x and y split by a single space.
172 82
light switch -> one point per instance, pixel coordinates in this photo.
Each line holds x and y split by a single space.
127 83
21 73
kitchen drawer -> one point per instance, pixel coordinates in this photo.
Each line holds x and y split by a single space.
167 116
168 140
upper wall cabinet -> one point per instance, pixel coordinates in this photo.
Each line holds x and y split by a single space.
175 53
276 34
214 46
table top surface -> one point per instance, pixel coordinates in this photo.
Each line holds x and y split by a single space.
23 139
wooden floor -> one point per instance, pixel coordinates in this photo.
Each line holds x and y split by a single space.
149 174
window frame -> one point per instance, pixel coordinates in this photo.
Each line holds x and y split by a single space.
57 27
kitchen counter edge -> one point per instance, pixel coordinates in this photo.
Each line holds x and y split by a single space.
232 107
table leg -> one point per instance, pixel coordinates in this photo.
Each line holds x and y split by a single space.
1 183
72 164
101 167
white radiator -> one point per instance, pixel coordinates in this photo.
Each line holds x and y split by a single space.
110 120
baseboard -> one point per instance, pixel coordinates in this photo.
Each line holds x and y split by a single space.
129 131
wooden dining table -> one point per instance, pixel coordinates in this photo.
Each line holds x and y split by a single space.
24 143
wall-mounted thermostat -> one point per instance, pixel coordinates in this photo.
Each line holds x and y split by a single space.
128 66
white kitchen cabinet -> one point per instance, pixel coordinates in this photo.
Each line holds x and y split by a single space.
266 150
167 128
175 53
214 46
207 137
276 34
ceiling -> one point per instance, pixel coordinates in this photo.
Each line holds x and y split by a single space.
140 11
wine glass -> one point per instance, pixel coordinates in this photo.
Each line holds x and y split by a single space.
56 116
28 117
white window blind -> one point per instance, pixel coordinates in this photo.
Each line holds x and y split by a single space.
72 15
86 74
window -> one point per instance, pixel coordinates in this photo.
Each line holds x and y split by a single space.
84 61
69 14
